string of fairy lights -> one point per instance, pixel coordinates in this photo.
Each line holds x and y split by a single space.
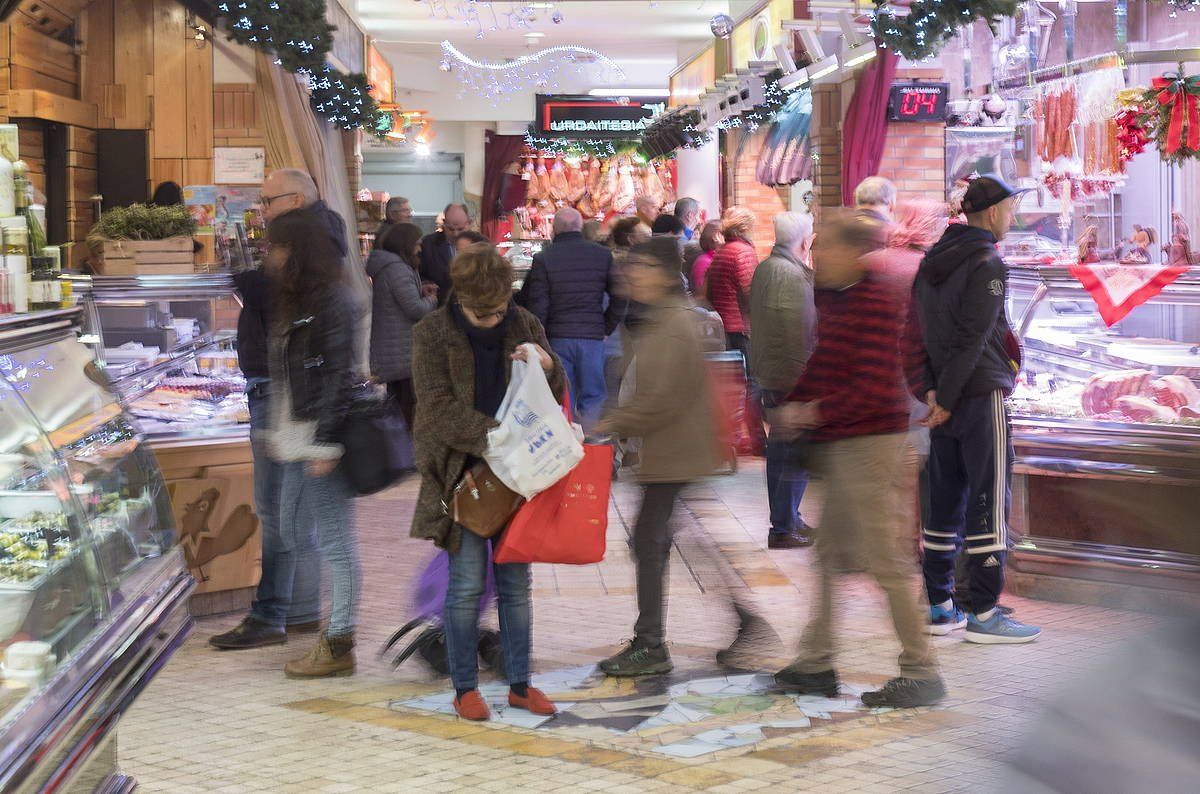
538 71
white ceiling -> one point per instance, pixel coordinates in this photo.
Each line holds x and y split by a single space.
647 39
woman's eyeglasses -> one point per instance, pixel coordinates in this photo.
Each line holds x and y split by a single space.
486 315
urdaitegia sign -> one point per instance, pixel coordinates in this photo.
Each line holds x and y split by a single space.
595 117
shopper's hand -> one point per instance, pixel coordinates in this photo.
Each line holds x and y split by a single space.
320 468
937 414
546 360
798 416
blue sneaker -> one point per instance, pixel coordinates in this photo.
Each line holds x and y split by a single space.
1000 629
942 621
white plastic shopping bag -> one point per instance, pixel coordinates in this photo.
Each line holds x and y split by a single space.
534 446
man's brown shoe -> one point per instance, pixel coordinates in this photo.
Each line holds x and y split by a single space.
321 663
311 627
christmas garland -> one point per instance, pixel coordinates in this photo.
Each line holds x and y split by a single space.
1171 114
296 34
918 29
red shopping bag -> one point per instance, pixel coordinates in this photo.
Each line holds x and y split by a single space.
567 522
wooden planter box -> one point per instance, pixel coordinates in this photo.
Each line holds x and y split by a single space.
172 256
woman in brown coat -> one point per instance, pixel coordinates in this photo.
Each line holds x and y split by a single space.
462 357
671 412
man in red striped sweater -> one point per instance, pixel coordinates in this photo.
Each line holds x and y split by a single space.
852 400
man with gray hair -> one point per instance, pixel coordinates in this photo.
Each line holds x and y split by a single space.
570 289
876 196
438 250
784 322
397 210
687 210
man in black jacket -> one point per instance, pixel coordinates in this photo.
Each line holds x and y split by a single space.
293 606
570 289
437 249
963 361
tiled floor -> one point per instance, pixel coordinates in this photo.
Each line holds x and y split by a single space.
216 721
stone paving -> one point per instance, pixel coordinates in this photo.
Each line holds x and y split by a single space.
214 721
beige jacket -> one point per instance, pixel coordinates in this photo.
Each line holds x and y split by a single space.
671 406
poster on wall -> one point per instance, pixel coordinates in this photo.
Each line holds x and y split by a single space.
379 74
217 207
239 165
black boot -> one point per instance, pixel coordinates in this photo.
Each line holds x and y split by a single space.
250 633
822 683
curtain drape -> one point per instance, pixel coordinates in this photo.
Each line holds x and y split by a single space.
499 152
864 131
295 138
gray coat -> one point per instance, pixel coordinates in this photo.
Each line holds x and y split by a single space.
783 320
396 305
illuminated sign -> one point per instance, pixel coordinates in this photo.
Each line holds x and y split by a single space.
594 117
918 102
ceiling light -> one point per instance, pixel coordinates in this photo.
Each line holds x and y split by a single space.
535 34
822 68
858 55
857 48
638 92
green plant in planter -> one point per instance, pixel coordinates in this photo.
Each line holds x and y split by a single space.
144 222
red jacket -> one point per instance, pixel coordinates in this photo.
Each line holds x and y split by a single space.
856 371
728 283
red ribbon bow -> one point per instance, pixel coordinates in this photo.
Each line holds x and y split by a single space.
1182 95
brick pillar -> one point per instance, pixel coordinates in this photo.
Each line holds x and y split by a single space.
914 157
742 151
826 135
351 150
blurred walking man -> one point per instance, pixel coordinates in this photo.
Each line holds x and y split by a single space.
851 399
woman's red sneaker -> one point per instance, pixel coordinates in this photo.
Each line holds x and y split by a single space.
534 701
471 706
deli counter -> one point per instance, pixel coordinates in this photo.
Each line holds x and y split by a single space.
168 343
1106 431
93 586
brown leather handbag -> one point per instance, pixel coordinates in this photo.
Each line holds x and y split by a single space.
482 503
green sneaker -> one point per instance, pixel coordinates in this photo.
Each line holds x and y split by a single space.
638 659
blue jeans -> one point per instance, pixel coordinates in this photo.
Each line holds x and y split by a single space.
289 591
328 503
786 480
786 483
583 360
468 571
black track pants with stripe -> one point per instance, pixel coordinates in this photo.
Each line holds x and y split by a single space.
969 470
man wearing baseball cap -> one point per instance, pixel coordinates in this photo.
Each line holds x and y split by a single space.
962 361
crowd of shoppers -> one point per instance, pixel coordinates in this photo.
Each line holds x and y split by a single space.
869 345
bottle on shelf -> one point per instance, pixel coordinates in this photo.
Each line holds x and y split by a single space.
15 234
8 198
45 290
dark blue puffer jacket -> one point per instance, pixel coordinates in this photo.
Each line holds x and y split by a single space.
567 287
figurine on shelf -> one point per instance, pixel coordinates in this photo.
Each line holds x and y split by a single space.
1143 237
1179 252
1089 243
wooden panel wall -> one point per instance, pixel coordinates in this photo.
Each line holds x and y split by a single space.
235 115
143 71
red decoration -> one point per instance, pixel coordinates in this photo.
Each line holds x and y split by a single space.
1179 97
1131 134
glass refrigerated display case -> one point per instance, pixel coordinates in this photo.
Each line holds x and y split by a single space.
93 588
168 342
1106 430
